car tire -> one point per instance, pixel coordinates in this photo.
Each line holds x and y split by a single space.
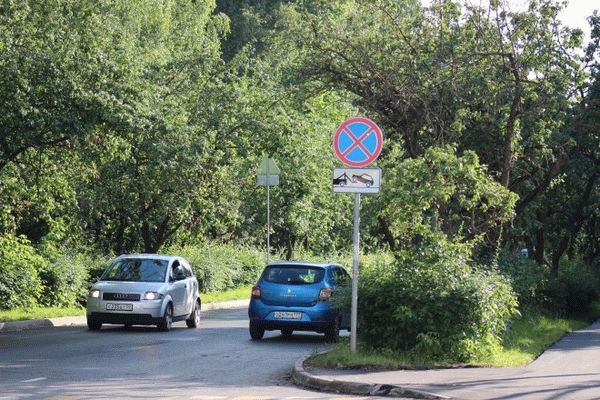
332 332
194 320
287 332
256 332
167 319
93 324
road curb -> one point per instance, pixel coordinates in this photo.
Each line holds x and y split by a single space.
303 378
14 326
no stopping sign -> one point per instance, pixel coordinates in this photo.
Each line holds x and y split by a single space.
357 142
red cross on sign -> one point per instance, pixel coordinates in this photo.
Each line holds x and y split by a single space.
357 142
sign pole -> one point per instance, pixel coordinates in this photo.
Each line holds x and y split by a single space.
356 143
355 261
268 212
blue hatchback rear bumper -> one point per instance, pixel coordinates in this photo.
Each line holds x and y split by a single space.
315 318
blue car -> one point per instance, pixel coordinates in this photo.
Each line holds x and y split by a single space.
294 296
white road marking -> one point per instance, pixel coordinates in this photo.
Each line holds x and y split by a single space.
34 380
207 397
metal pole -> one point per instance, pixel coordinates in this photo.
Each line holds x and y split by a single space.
268 211
355 260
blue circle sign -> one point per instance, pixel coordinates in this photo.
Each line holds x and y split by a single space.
357 142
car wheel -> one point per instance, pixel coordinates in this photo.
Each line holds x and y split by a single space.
332 332
93 324
256 332
167 319
194 320
287 332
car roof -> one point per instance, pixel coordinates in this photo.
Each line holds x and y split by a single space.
166 257
302 263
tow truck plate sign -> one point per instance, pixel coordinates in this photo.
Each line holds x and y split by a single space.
356 180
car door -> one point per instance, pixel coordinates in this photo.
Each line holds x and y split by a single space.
178 288
191 289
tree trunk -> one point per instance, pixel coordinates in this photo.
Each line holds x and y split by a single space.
540 239
558 252
387 233
515 111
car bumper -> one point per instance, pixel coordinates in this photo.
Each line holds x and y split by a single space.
315 318
149 309
119 318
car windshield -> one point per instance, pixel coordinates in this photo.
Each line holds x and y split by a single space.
293 275
136 270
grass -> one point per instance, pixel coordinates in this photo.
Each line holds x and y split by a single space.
241 293
21 314
528 337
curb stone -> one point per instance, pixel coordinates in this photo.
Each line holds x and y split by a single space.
303 378
14 326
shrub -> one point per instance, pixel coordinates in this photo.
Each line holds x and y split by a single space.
67 279
222 266
20 284
577 287
529 280
572 293
431 302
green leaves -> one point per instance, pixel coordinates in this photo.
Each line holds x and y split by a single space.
444 193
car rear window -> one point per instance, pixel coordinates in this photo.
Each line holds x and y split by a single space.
136 270
293 275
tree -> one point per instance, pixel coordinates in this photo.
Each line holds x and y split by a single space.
161 172
484 79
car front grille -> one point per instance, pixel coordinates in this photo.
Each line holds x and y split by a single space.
121 296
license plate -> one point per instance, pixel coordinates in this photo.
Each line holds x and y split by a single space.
287 315
119 307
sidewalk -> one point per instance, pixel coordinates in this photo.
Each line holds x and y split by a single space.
570 369
13 326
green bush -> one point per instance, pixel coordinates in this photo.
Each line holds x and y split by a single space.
573 293
578 286
529 280
67 279
432 303
222 266
20 284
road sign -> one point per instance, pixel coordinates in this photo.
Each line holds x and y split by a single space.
356 180
268 175
273 180
357 142
268 166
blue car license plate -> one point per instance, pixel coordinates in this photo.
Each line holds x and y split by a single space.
119 307
287 315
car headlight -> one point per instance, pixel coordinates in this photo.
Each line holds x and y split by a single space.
95 294
152 296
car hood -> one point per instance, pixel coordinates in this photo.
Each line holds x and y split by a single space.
130 287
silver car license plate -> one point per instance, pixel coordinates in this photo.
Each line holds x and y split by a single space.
287 315
119 307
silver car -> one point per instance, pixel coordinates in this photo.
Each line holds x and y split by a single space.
145 289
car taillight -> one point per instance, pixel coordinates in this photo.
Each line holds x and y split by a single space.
256 292
325 294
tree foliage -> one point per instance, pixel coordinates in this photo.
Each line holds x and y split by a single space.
135 125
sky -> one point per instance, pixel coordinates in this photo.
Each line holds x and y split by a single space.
574 15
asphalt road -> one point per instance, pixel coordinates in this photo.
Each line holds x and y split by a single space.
216 361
